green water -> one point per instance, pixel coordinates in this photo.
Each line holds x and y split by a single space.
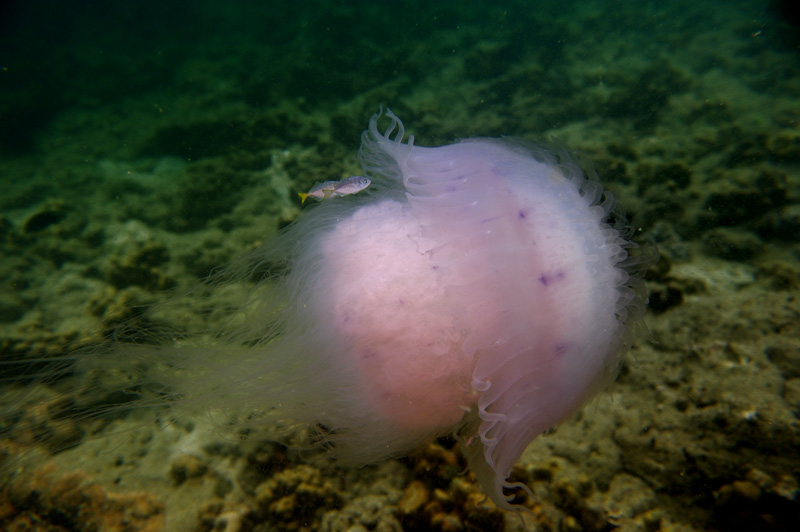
144 144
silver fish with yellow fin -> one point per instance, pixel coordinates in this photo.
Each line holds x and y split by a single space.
329 189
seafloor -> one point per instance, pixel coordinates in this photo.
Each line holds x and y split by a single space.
144 144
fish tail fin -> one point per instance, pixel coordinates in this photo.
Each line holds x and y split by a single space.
303 197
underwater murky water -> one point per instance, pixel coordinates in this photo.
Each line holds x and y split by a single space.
145 146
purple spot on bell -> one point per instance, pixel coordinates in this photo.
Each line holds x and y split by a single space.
546 279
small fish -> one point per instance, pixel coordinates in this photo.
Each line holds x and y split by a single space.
320 190
351 185
329 189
